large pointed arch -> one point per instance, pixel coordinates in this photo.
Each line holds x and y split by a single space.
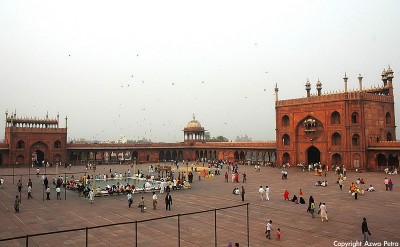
313 155
319 124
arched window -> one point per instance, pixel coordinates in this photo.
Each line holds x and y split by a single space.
20 144
388 118
57 144
355 140
336 139
389 137
354 118
285 158
285 140
335 118
285 121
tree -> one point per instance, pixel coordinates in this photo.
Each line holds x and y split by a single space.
219 139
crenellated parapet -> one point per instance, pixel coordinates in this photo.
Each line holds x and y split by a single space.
368 94
28 122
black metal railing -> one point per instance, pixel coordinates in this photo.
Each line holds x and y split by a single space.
178 216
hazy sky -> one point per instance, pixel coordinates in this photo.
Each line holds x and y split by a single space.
142 68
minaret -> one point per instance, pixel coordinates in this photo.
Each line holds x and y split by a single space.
276 92
308 88
389 75
384 78
66 122
58 119
360 81
345 82
6 117
319 87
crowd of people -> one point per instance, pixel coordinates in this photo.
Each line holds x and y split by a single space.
180 179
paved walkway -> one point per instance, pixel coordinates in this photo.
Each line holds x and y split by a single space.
297 227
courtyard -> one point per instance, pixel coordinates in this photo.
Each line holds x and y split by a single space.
297 227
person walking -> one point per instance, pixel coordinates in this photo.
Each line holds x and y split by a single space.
323 212
390 185
226 177
267 193
154 201
365 230
286 195
19 185
30 183
48 193
387 183
29 192
46 182
268 230
341 183
168 202
16 204
312 209
91 196
243 191
261 193
58 191
1 182
244 177
141 205
130 200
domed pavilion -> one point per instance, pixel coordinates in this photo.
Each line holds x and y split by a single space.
193 131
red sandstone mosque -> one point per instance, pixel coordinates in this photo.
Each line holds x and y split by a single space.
352 128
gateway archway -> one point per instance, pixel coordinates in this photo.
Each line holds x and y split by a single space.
39 157
313 155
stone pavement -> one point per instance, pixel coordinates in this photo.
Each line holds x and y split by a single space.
381 208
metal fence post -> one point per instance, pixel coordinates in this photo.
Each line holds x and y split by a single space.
27 240
179 231
248 226
215 226
87 237
136 237
65 188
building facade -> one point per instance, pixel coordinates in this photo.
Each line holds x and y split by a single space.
353 128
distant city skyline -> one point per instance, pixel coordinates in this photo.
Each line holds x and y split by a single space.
142 69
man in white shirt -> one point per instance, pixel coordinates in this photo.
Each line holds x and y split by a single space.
267 193
268 230
58 190
154 201
261 192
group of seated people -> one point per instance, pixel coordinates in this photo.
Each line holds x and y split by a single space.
360 181
236 191
321 183
371 188
356 188
121 189
394 171
298 201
